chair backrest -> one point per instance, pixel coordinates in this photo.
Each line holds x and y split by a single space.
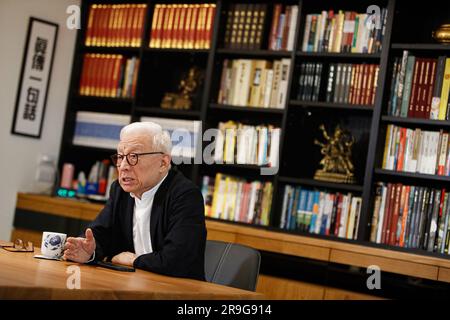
232 264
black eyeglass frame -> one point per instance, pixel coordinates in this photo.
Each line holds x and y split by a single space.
114 157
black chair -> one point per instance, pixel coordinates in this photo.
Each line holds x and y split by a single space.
232 265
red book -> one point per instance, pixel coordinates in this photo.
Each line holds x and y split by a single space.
210 25
429 88
285 32
390 195
193 26
338 214
401 240
90 26
95 75
154 29
273 31
401 150
419 85
400 191
181 23
412 100
363 91
84 73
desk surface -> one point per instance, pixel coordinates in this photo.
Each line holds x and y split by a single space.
25 277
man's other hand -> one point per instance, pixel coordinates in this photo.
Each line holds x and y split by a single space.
124 258
80 249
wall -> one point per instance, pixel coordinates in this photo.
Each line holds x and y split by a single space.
19 155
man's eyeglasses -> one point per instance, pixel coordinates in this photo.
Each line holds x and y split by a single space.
19 246
132 158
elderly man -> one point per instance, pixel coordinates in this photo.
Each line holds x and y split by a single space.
154 218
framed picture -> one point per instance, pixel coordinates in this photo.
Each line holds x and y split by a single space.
34 78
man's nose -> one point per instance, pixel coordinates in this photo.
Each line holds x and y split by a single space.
124 165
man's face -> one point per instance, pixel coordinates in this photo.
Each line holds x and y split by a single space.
146 173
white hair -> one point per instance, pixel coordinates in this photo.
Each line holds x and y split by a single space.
159 138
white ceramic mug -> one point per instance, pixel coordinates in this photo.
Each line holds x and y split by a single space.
53 244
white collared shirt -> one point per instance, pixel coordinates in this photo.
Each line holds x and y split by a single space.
141 220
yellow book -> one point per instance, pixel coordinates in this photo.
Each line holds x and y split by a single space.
387 145
215 195
230 141
445 90
89 33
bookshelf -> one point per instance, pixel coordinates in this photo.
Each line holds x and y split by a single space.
159 72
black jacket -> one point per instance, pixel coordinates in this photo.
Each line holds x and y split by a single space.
177 228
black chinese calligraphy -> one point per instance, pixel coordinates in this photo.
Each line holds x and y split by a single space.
30 107
40 48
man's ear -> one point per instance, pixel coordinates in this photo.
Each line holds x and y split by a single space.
165 162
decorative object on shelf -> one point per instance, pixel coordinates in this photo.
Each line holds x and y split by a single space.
337 150
187 88
35 78
442 34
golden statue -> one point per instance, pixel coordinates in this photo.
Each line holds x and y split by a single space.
186 91
337 151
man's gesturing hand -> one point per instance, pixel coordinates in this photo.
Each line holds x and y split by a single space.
80 249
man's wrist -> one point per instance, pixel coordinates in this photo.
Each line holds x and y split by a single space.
92 258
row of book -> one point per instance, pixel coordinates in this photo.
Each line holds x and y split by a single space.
244 27
230 198
282 31
255 83
416 150
350 83
346 31
182 26
245 144
108 75
102 130
320 212
420 87
411 217
115 25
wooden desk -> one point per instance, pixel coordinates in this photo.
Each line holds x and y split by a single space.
25 277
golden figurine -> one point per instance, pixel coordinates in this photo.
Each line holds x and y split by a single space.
186 91
337 151
442 34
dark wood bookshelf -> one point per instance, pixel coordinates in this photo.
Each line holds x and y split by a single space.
255 53
415 121
226 107
148 111
338 55
412 175
330 105
159 71
321 184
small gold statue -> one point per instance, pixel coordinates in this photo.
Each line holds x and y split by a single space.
187 89
442 34
336 163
